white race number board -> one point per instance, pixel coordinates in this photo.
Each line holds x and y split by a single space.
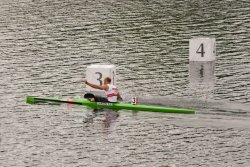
202 49
97 73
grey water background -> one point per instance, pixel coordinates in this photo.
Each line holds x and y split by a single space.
45 47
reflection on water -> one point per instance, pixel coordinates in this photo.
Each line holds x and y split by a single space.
201 79
201 72
106 116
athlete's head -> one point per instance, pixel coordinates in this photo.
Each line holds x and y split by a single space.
107 80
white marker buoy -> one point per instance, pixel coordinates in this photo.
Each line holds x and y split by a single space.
202 49
97 73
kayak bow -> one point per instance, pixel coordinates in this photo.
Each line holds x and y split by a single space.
114 106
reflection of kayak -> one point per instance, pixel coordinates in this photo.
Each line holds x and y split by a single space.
114 106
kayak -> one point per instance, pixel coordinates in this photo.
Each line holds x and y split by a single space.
113 106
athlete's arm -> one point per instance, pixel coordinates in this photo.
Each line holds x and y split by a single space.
102 87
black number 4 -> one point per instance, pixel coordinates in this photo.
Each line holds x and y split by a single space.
201 50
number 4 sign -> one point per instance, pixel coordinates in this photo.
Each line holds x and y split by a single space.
202 49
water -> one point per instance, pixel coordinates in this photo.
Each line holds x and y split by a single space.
45 47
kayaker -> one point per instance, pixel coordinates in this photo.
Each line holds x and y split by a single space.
111 91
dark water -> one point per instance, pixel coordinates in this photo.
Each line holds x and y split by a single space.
45 47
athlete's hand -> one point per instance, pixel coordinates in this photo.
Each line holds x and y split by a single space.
119 98
85 81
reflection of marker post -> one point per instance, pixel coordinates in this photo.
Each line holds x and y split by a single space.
200 72
202 54
96 74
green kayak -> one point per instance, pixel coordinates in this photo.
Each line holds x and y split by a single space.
114 106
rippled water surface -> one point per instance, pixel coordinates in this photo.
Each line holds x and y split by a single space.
46 45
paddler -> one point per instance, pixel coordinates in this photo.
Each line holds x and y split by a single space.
111 91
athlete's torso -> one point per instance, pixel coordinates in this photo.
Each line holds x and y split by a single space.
112 93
